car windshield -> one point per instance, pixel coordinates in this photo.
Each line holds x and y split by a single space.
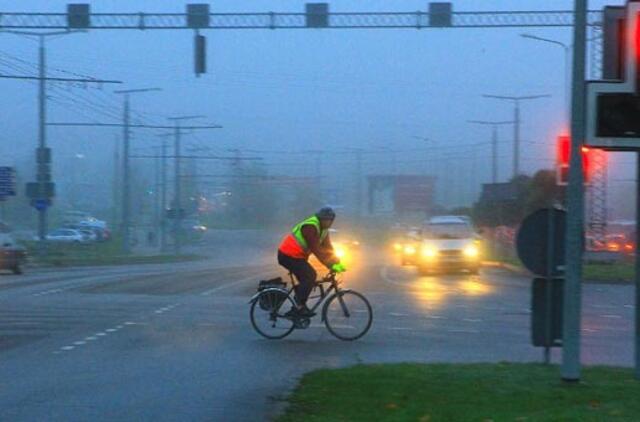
447 231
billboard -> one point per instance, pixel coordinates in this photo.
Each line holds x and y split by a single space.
400 194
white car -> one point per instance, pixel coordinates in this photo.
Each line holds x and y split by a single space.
66 236
449 243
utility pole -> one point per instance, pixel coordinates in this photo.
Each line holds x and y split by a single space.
494 144
570 370
42 190
163 193
516 124
359 176
126 169
129 125
177 222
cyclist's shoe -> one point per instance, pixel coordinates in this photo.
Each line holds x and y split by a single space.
305 312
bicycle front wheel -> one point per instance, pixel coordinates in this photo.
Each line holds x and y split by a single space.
267 314
348 315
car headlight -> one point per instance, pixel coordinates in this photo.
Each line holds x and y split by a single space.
429 252
471 251
397 247
409 250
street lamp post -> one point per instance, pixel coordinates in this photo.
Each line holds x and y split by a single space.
516 124
567 69
494 144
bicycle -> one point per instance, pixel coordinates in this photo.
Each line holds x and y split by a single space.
346 313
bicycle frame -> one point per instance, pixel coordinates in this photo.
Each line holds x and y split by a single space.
324 293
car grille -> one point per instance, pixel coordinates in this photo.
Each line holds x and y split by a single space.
451 252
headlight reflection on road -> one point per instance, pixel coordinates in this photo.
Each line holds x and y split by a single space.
433 293
430 293
475 288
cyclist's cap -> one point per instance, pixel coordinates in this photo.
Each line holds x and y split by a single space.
326 213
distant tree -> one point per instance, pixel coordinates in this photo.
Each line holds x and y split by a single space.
532 193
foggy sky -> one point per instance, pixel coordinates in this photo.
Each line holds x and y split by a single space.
299 89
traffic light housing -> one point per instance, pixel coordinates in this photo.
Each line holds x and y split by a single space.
563 159
613 104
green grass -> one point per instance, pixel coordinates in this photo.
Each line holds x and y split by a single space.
475 392
619 272
106 253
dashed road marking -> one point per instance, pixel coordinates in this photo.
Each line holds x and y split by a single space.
226 286
471 320
611 316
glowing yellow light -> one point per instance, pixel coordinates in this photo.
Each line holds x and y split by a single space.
471 251
429 252
340 253
397 247
409 250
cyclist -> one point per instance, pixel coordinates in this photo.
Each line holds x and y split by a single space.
311 236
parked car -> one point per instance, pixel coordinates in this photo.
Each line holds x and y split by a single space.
12 255
65 236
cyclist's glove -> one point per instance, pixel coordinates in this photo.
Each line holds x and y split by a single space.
338 268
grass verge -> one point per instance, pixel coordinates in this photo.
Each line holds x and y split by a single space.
474 392
95 254
115 260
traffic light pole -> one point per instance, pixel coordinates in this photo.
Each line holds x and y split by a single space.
570 370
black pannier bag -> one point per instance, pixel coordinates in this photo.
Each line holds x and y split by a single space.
272 301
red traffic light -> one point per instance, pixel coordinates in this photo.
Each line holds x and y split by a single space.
564 158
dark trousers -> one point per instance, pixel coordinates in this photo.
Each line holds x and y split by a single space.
304 273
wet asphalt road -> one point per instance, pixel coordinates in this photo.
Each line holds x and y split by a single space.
174 342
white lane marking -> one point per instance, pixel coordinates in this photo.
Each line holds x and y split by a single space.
351 327
589 330
401 328
79 343
101 334
397 314
471 320
111 330
67 348
129 323
435 317
611 316
226 286
91 338
464 331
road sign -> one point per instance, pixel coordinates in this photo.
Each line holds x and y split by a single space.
7 182
40 204
546 311
541 240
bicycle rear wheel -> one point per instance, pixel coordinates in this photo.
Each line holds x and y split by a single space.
267 314
348 315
